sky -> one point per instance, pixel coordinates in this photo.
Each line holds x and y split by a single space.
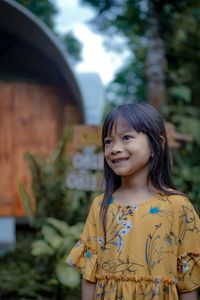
73 17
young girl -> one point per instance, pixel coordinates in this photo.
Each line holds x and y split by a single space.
141 239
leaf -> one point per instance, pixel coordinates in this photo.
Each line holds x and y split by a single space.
189 125
40 247
34 165
182 92
76 230
67 275
59 151
68 244
27 201
52 236
61 226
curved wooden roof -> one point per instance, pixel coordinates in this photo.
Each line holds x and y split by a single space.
30 51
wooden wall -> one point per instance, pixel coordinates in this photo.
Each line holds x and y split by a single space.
32 118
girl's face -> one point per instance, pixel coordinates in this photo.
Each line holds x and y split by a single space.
127 152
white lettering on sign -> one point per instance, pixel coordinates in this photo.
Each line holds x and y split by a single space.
88 161
86 170
82 181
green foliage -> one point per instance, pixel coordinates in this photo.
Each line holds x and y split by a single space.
19 273
181 92
48 183
178 23
27 201
126 22
72 45
36 269
186 160
182 43
57 238
128 84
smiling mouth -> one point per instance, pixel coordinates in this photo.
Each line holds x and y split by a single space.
115 161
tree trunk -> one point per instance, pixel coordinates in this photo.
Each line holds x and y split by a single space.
156 64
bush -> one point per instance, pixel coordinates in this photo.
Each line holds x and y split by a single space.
36 269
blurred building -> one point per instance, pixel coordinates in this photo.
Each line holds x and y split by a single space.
39 97
92 91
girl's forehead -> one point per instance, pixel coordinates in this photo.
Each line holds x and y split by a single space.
119 125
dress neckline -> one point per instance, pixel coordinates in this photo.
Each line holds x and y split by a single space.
151 198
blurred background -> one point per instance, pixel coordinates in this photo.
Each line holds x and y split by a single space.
64 64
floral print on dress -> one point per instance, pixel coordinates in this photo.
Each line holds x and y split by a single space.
153 252
149 252
78 244
183 266
158 210
119 227
100 240
188 221
188 269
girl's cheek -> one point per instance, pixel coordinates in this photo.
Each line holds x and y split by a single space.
106 151
106 156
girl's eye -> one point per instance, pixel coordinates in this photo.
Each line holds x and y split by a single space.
127 137
107 141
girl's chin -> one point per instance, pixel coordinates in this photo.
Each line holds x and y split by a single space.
121 172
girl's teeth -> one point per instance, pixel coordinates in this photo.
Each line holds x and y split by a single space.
119 160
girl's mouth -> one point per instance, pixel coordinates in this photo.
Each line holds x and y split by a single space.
115 161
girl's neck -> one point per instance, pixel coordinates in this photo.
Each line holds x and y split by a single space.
137 184
136 187
134 194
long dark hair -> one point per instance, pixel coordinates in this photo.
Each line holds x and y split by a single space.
144 118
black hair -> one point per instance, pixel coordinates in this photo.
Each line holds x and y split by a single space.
143 118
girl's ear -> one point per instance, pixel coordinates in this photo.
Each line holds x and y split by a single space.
162 141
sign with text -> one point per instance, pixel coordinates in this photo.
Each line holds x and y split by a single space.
86 159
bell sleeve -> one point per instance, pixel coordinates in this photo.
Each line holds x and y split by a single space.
188 261
84 255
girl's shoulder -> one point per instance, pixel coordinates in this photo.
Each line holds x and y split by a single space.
95 208
179 201
97 202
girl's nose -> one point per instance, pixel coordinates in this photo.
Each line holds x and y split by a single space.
117 148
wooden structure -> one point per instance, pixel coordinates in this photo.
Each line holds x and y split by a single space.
39 97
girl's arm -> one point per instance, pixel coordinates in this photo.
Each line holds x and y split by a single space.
189 295
88 288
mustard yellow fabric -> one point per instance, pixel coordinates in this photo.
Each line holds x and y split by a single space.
152 250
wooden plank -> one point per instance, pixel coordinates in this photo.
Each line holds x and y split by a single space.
6 150
36 119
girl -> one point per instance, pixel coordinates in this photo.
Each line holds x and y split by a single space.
141 239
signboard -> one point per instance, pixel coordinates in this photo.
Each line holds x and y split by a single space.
86 159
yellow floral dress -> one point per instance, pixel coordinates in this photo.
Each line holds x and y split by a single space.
152 250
